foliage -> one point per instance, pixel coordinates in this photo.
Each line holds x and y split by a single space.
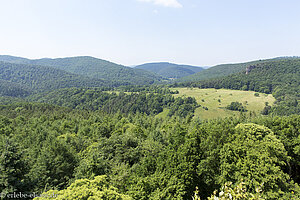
255 154
287 130
141 102
12 89
94 68
237 106
97 189
279 77
222 70
12 167
142 88
266 110
183 106
239 192
24 79
145 157
170 70
107 143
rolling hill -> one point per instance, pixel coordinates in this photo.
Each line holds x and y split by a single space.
226 69
170 70
93 68
281 77
12 89
23 79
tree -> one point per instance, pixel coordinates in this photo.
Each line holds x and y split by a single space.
239 192
54 165
82 189
12 167
256 155
236 106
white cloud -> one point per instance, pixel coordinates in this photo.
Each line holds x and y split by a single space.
166 3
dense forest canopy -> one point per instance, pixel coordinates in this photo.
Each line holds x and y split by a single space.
40 78
94 68
144 157
226 69
127 103
13 89
170 70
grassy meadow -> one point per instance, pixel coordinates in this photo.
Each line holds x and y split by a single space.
215 100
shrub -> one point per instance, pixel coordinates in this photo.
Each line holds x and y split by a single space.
236 106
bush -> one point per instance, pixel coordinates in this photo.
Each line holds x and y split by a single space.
236 106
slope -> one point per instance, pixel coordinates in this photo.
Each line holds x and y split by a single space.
225 69
93 68
11 89
279 77
170 70
22 79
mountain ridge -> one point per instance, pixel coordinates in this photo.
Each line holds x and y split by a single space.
281 78
34 78
226 69
169 70
91 67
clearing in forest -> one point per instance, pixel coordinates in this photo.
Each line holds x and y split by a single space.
214 101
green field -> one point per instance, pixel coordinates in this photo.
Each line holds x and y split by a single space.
210 98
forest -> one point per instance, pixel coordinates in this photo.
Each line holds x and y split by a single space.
66 135
170 70
90 68
78 154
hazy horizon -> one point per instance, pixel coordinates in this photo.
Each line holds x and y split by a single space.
134 32
132 66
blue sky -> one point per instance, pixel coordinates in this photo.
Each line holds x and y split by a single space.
130 32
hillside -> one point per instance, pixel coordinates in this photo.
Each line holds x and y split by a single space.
93 68
11 89
225 69
279 77
149 103
122 142
22 79
170 70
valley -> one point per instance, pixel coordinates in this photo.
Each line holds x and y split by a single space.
82 127
149 100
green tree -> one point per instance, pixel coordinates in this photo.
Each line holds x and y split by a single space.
85 189
256 155
12 167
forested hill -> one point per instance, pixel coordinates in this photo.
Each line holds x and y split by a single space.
127 103
225 70
93 68
8 88
21 79
279 77
170 70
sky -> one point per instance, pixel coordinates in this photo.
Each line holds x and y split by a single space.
131 32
